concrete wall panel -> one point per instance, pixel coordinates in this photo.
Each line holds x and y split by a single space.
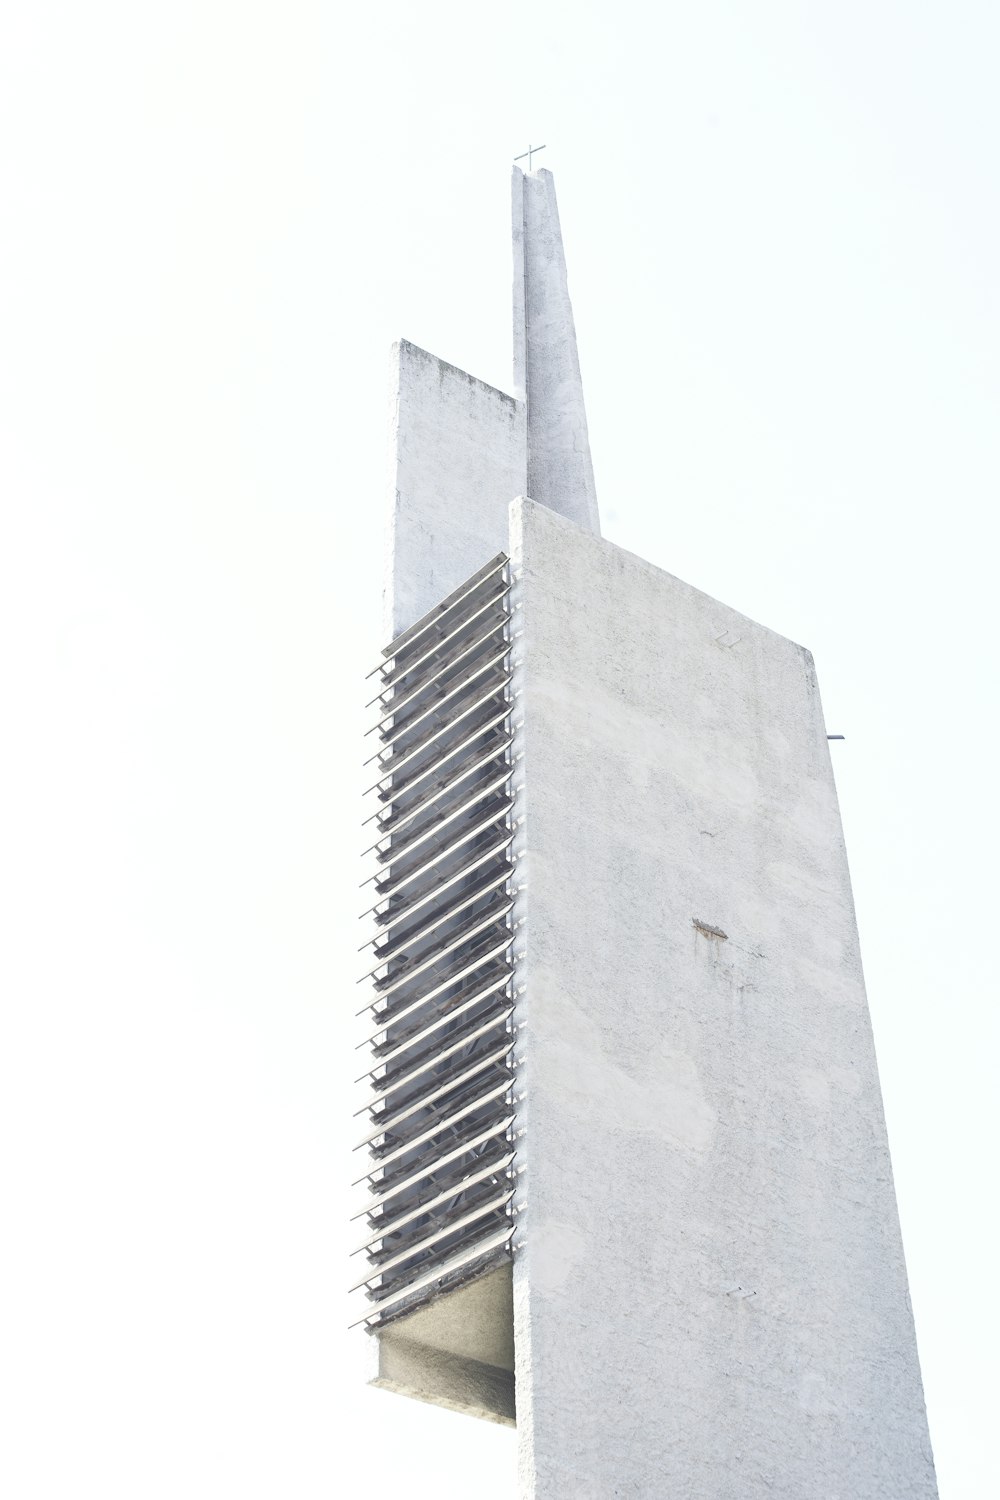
710 1292
546 361
457 459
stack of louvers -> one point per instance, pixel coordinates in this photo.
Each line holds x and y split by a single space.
440 1168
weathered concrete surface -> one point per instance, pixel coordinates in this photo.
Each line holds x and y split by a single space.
460 450
560 473
457 459
456 1352
709 1288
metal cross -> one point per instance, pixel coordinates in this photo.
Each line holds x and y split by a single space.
529 154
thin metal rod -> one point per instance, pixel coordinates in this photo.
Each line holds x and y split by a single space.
531 151
419 933
439 703
444 1123
435 855
400 788
395 766
417 1247
449 666
492 1132
403 819
497 1018
392 1226
437 647
441 1020
467 1003
408 845
392 918
392 1018
447 1268
404 641
389 820
433 959
387 1125
402 975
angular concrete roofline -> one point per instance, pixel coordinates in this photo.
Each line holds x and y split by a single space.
448 368
554 461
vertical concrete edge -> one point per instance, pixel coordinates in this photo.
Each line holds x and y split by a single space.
517 285
560 468
391 490
523 1384
779 1335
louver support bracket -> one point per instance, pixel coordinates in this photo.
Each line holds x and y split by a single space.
439 976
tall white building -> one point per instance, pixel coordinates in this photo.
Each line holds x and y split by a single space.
626 1178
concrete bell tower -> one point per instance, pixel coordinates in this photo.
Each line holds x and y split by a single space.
626 1177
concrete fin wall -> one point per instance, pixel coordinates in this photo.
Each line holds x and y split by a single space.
709 1287
460 450
457 1352
560 473
457 459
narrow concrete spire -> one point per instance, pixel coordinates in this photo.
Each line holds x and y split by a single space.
546 364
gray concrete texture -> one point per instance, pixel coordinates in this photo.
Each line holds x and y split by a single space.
709 1293
457 1352
460 450
457 458
546 362
710 1296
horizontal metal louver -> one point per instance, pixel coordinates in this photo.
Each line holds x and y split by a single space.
439 970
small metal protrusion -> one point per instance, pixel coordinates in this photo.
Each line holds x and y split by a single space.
531 151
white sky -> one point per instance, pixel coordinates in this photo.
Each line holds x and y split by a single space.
783 234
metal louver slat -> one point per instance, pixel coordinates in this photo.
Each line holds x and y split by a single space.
441 1123
441 1018
447 1270
393 1225
432 920
393 708
399 914
388 886
409 668
398 759
433 619
495 745
434 825
390 1126
406 784
416 1246
433 708
389 1017
399 1081
391 983
390 824
441 994
436 1164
